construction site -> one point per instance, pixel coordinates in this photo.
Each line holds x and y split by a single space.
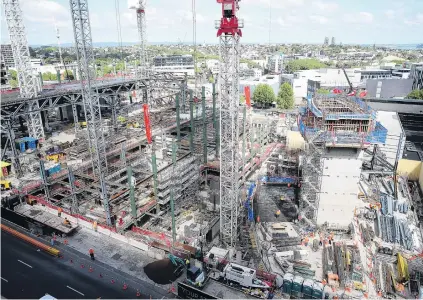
315 202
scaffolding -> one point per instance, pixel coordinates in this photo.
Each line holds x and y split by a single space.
342 121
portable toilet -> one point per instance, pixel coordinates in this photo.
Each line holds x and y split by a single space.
287 283
317 290
297 285
308 288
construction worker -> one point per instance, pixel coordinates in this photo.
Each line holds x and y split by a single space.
91 251
188 263
66 222
59 212
278 212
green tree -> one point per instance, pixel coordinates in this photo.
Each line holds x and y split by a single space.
13 74
13 83
264 95
323 91
303 64
416 94
48 76
68 75
285 99
211 79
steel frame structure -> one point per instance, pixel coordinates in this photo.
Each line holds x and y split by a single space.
85 55
27 83
229 34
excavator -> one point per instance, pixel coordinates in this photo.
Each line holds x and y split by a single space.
351 91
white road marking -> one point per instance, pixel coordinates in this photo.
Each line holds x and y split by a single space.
24 263
75 290
4 279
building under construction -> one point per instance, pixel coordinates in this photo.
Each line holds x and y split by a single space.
150 161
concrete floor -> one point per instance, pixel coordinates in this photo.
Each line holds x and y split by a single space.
268 202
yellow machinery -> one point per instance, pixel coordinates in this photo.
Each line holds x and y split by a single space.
55 157
83 124
359 286
5 185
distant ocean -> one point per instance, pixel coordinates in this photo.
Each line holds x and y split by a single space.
396 46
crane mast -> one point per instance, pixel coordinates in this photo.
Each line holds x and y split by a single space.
229 34
140 6
27 82
86 69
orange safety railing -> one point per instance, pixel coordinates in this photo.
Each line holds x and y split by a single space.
48 249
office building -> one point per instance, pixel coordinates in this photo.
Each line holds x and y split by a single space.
7 54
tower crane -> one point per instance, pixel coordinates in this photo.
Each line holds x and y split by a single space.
140 6
27 82
229 33
86 69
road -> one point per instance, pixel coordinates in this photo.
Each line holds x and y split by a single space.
29 274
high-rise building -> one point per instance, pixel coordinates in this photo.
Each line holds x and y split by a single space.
326 42
7 54
332 43
4 77
275 64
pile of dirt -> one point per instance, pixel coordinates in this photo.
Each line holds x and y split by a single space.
162 271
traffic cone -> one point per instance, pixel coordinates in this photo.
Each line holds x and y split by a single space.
124 286
65 242
138 293
82 266
90 269
112 281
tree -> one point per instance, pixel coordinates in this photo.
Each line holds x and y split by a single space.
13 74
322 91
285 99
68 75
211 79
13 83
264 95
303 64
416 94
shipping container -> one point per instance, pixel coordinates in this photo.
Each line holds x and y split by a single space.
307 289
297 285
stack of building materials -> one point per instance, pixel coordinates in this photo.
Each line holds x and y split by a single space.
391 227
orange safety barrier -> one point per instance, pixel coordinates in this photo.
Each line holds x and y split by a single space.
48 249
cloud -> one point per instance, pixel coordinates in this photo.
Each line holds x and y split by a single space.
275 4
417 20
325 6
319 19
46 11
186 15
359 18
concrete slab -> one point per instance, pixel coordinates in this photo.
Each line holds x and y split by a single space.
44 217
339 191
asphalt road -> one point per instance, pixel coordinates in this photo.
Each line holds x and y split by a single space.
29 274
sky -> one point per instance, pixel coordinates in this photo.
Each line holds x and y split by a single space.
289 21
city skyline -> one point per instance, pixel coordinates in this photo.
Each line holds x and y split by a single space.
292 21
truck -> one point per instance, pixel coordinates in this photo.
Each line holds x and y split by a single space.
243 276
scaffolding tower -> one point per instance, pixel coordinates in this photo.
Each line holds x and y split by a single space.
85 55
229 33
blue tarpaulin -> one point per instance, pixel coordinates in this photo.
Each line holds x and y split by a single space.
286 180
